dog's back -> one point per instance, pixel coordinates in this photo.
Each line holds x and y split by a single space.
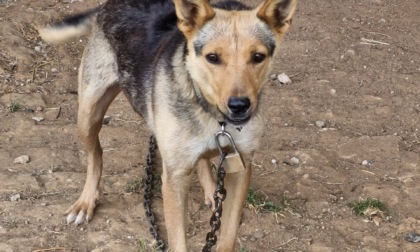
140 32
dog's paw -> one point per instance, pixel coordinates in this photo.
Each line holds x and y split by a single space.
208 197
209 202
82 210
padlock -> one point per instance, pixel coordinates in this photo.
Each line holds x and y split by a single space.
233 161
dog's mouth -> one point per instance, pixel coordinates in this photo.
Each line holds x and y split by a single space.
237 120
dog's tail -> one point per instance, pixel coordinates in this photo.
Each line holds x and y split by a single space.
69 27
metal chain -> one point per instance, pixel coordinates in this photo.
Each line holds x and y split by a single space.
148 194
219 196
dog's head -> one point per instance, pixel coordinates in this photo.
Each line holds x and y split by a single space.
231 48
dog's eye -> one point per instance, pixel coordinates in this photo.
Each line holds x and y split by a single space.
213 58
258 58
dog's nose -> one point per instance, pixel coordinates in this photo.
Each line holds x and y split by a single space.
239 105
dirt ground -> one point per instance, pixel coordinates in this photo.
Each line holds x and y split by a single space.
355 67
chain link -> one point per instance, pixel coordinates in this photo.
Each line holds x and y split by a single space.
148 194
219 196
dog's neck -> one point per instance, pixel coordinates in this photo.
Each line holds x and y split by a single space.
195 96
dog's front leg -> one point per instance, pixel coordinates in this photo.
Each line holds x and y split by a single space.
236 185
206 180
175 185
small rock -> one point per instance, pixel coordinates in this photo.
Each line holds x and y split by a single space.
106 120
38 118
43 204
52 113
377 220
297 215
284 79
368 162
273 76
320 124
273 161
54 70
408 180
348 54
15 197
412 237
259 234
22 159
294 160
333 91
378 2
305 176
37 48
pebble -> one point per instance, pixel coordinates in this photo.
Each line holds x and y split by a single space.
408 180
294 160
37 48
305 176
38 118
43 204
273 161
106 120
54 70
333 91
348 54
52 113
367 162
320 124
15 197
284 79
297 215
412 237
22 159
259 234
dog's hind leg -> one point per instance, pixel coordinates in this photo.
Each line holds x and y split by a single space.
97 89
206 180
236 185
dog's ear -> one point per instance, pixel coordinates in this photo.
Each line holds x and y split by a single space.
192 15
277 14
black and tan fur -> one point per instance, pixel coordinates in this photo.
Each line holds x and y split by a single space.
185 67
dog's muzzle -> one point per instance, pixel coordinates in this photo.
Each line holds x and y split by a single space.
239 110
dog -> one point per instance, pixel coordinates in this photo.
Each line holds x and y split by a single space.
185 66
